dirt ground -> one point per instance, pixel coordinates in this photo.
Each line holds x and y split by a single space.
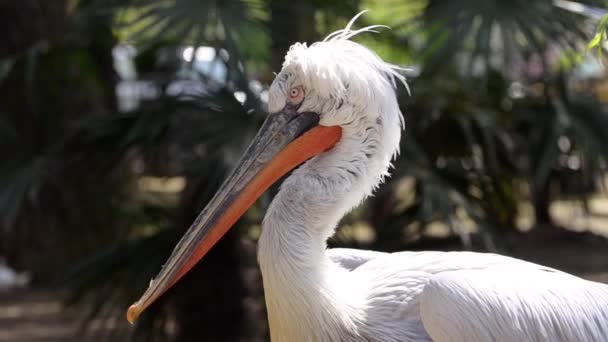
35 315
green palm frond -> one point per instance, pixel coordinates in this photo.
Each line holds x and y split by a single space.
493 32
192 21
600 37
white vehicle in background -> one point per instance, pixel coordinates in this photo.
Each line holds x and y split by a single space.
11 279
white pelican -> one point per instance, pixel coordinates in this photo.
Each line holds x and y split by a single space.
334 116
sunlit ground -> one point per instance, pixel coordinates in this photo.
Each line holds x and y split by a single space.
573 215
36 316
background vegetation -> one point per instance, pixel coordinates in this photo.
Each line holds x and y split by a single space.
119 120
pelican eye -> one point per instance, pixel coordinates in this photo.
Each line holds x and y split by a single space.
296 95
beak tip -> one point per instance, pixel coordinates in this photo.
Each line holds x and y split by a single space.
133 313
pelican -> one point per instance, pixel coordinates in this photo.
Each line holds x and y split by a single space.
334 120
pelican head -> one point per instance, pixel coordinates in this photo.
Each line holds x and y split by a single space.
349 86
334 104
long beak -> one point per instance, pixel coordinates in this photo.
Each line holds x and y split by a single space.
286 140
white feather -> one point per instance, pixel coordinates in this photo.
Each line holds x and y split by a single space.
344 295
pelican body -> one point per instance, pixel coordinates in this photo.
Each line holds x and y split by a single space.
334 118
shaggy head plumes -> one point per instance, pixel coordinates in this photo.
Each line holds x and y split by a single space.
344 82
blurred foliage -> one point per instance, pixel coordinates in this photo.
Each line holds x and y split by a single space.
95 196
493 33
600 37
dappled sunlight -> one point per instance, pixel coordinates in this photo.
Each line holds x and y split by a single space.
40 316
573 215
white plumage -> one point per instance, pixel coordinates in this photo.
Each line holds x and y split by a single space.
315 294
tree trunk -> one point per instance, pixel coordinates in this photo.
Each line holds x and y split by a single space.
209 299
542 200
290 22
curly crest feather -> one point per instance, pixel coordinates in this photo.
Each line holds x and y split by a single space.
350 86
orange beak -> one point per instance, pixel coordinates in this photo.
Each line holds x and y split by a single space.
285 141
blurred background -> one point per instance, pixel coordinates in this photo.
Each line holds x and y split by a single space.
119 120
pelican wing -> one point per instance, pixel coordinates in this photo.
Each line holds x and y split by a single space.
478 297
350 259
514 304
